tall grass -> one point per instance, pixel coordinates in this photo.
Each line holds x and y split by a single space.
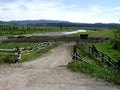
108 74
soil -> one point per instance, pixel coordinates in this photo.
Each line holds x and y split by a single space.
49 73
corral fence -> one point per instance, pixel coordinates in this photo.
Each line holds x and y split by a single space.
14 55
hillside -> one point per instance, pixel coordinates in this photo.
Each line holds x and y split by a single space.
56 23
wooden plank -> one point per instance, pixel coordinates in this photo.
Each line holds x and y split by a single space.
7 50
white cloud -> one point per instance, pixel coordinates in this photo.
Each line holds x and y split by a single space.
28 10
116 8
46 9
96 9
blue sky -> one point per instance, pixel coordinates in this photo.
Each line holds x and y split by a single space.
83 11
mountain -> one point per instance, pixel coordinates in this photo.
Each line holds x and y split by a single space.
36 21
56 23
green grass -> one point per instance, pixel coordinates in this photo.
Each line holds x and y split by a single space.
83 51
8 57
20 30
36 54
107 48
108 74
106 33
13 45
93 67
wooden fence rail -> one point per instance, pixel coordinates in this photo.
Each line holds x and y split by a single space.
17 52
76 55
103 58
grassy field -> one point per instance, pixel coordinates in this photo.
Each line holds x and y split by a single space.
106 33
20 30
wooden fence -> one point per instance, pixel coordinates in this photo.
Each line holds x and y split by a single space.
76 55
101 57
16 53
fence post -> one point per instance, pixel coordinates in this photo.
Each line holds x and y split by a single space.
118 64
109 61
74 52
102 57
18 54
76 42
89 49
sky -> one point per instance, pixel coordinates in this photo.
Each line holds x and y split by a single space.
82 11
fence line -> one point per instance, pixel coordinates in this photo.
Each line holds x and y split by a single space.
100 56
76 55
17 52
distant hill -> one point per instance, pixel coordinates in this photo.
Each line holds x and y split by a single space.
37 21
56 23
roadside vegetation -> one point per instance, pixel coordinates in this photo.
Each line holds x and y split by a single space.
94 70
108 48
37 53
93 67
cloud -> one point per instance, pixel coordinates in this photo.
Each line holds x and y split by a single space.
54 10
116 8
33 10
96 9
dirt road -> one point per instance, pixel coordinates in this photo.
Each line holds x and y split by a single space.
49 73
